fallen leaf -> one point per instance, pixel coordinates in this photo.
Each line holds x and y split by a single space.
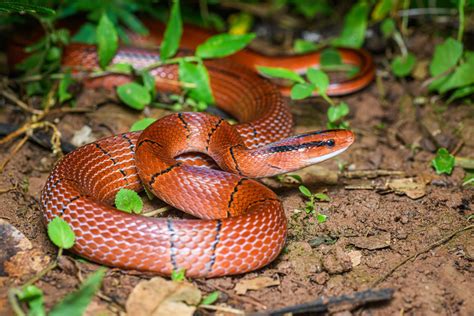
18 256
158 296
414 188
255 284
372 242
355 256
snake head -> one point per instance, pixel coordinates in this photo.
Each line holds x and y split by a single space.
297 152
322 145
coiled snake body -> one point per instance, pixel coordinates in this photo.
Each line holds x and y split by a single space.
242 225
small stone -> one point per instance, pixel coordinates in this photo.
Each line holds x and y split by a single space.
321 278
404 219
337 262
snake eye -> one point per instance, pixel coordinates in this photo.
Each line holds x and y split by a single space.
330 143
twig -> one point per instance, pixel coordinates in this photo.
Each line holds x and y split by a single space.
337 303
10 96
158 211
223 309
370 174
433 245
13 152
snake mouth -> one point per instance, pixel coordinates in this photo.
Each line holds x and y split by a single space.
334 143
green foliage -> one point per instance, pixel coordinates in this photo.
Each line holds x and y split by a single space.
24 7
301 46
107 41
33 296
198 75
210 299
282 73
301 91
446 56
336 114
128 201
388 27
355 24
223 45
469 179
63 87
61 233
330 57
174 30
76 303
443 162
381 9
134 95
178 275
140 125
310 207
403 65
319 79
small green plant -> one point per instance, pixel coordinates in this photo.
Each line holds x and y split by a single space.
128 201
310 206
211 298
178 275
443 162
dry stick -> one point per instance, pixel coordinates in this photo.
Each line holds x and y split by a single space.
10 96
371 173
223 309
433 245
13 152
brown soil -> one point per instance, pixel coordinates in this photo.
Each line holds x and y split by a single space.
378 226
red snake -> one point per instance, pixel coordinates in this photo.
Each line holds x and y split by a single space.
243 225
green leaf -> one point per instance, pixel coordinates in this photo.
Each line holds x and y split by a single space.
446 56
461 93
24 7
301 46
302 90
443 162
86 34
462 76
468 180
381 9
121 68
61 233
388 27
35 299
335 113
172 36
210 299
140 125
402 66
322 197
128 201
321 218
76 303
330 57
223 45
107 41
281 73
178 275
64 84
134 95
319 78
198 75
54 53
149 83
305 191
355 24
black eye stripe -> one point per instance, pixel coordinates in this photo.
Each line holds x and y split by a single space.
286 148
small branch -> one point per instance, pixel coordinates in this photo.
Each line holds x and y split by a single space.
370 174
10 96
223 309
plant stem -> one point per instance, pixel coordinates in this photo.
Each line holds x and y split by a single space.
171 61
404 28
462 4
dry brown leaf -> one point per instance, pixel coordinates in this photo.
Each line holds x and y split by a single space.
158 297
254 284
372 242
414 188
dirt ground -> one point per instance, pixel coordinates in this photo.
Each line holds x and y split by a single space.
374 222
